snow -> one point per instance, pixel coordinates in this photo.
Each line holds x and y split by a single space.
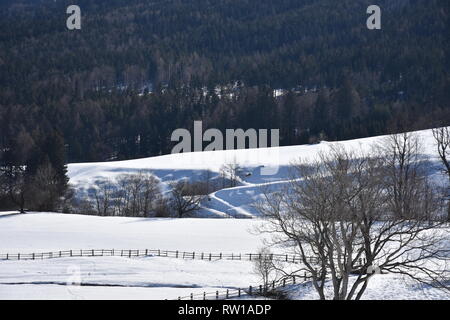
168 278
380 287
120 278
149 277
123 278
37 232
266 165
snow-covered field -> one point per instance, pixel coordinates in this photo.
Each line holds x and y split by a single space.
117 277
150 277
120 278
37 232
168 278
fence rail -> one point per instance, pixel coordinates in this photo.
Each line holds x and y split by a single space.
258 290
188 255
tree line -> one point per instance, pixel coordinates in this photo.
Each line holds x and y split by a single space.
136 71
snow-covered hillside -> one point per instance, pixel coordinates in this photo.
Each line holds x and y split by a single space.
263 166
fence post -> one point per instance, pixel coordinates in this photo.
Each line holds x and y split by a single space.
129 253
250 290
18 256
204 295
284 283
304 276
210 257
70 252
193 255
217 295
273 284
250 257
239 292
176 254
92 252
32 256
293 279
221 256
202 255
260 289
232 256
192 296
227 293
159 252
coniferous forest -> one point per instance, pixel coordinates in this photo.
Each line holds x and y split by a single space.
137 70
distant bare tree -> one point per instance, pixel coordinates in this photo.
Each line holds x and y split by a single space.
266 269
442 138
136 194
131 195
231 173
405 173
103 198
337 211
186 197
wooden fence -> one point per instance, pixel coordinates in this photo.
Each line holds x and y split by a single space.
258 290
190 255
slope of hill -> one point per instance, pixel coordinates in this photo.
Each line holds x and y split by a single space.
255 163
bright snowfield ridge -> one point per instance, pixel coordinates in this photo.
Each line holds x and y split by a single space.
232 201
160 277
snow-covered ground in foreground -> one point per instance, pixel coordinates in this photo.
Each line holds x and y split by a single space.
120 278
163 278
145 278
380 287
266 166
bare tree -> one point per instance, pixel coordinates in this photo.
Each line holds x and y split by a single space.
442 138
186 198
405 173
136 194
103 198
266 269
338 215
231 173
132 195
